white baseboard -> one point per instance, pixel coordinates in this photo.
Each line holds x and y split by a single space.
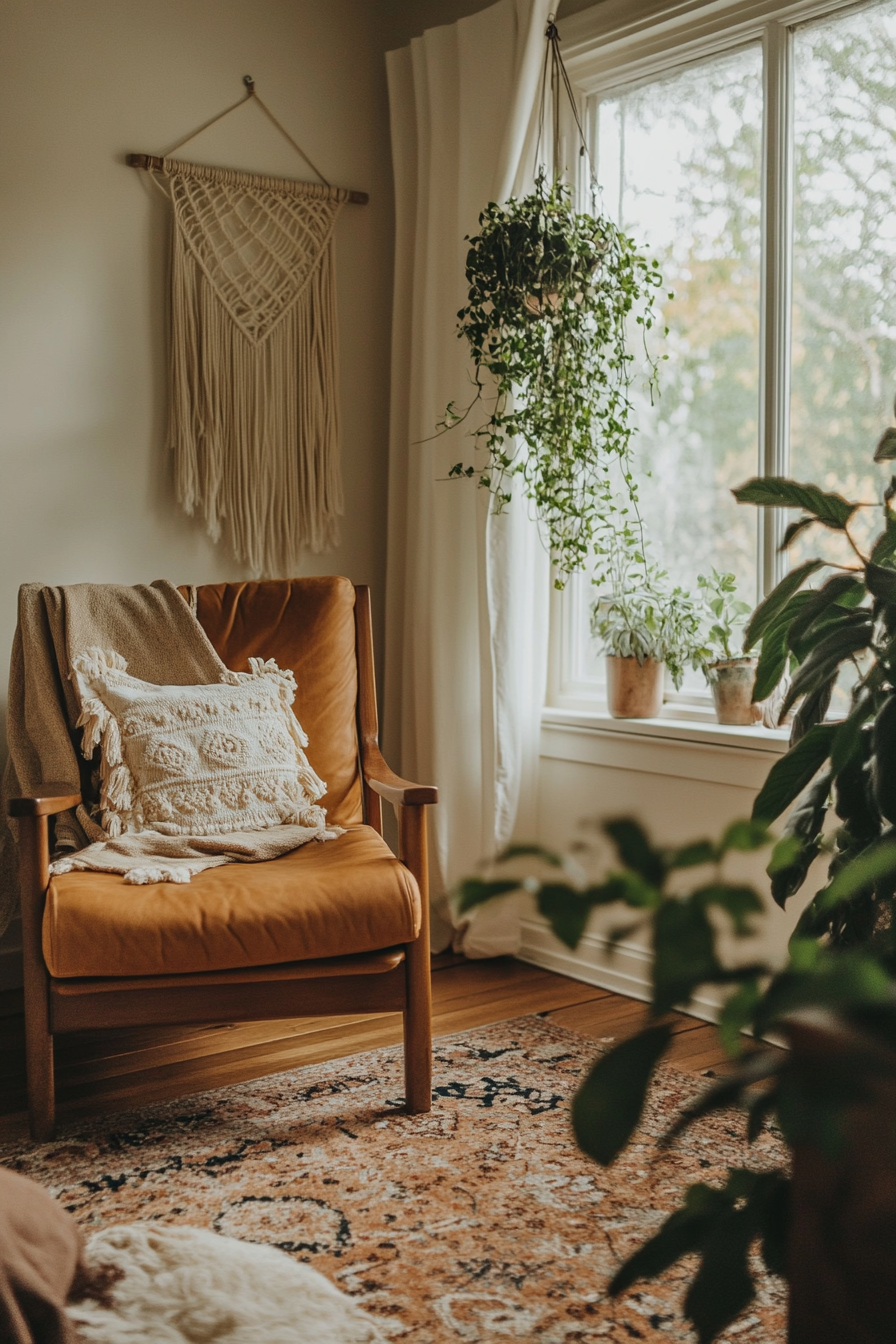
11 957
624 969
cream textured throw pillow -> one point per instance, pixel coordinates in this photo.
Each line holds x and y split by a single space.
196 760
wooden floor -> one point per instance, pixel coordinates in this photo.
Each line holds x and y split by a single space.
102 1072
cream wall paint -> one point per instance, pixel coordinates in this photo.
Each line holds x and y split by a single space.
86 489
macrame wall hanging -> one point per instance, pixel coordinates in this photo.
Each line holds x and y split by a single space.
253 418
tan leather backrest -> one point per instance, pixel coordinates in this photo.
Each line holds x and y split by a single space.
307 625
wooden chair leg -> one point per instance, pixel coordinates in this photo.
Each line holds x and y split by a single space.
34 879
41 1082
418 982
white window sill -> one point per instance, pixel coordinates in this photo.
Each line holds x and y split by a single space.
754 738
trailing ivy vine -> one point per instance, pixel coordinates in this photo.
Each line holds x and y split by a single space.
552 293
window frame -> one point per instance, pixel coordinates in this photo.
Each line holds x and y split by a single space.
618 45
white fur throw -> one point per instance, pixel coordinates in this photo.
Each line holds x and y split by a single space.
196 760
182 1285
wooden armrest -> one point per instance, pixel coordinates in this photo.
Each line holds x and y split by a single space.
390 786
46 801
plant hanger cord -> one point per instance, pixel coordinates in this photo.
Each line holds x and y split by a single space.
559 81
550 291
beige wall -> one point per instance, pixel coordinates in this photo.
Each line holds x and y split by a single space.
85 480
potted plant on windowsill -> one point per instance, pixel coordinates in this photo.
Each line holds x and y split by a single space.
730 672
644 625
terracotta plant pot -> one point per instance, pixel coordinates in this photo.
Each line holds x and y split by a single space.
634 690
732 681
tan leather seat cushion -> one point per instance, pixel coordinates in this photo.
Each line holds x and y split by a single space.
307 625
324 900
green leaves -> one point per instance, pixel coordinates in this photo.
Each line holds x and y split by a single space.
551 293
807 1098
848 637
818 978
885 546
684 952
839 588
884 758
881 582
690 856
475 891
847 624
775 652
738 902
777 599
778 492
790 775
886 448
745 836
875 864
608 1105
548 856
737 1013
720 1226
635 850
567 911
800 844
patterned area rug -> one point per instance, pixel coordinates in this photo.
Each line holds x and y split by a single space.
481 1222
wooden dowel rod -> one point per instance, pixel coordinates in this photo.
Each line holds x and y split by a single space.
153 163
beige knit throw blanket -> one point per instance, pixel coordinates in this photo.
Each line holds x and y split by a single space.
153 628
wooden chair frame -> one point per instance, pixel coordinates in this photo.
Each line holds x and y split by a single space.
392 980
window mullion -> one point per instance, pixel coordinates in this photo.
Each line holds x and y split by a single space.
777 215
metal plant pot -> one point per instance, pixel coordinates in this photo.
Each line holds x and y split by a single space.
634 690
732 681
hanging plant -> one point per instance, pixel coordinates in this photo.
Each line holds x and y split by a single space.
547 318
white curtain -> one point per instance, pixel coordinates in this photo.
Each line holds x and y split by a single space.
467 592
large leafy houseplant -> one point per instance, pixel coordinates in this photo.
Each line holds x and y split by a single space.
843 951
551 295
806 1096
844 771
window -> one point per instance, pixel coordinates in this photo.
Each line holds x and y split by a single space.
755 157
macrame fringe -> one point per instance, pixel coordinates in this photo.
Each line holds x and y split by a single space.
254 424
144 877
101 730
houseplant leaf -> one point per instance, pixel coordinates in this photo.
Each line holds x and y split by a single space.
770 606
635 850
790 775
608 1105
779 492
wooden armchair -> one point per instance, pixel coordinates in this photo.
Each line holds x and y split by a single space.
340 927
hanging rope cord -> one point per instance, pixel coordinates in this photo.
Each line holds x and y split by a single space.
250 93
559 76
559 80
